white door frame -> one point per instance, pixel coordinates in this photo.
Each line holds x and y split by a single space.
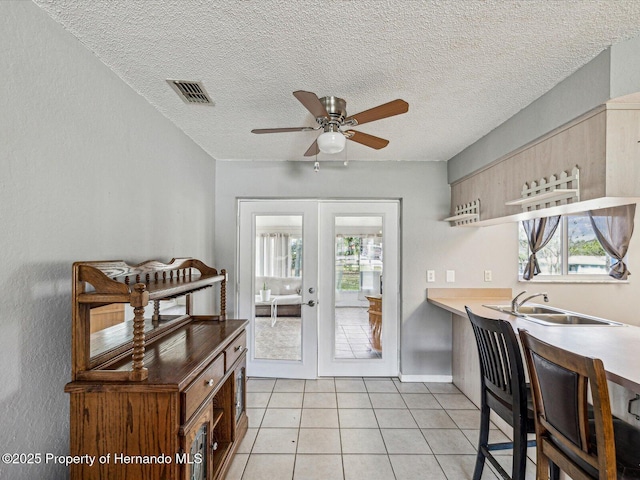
318 342
307 367
388 365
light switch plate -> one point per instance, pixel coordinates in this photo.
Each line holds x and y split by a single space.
488 276
431 276
451 276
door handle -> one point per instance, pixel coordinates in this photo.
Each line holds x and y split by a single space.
310 303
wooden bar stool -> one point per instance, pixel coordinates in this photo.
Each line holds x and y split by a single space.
584 446
504 390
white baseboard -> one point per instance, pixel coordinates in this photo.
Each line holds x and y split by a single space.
426 378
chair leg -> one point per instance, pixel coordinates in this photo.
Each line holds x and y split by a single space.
483 440
519 452
554 471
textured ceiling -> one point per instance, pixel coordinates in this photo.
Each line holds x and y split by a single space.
464 66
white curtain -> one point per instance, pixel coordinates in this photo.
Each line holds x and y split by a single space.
272 255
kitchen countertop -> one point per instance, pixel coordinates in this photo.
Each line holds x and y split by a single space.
617 346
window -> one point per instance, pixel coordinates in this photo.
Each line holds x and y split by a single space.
572 254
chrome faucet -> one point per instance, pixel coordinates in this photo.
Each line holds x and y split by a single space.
515 305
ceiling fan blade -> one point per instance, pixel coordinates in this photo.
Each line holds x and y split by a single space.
280 130
313 150
366 139
311 102
395 107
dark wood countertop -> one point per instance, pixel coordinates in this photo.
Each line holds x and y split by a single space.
617 346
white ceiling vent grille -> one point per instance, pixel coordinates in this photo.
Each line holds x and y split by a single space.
191 92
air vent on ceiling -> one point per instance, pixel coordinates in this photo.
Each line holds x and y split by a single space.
191 92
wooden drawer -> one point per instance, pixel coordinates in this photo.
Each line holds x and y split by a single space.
202 386
235 349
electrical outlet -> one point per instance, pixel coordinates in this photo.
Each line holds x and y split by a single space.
431 276
488 276
451 276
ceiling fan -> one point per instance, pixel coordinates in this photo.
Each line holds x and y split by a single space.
331 115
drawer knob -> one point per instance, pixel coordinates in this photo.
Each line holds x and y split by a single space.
238 348
211 382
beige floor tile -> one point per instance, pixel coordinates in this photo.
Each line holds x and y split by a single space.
380 386
468 419
282 418
350 385
319 400
395 418
276 440
286 400
289 385
320 385
433 419
257 399
405 440
319 418
319 440
255 416
448 441
387 400
269 467
413 467
354 400
495 436
454 401
260 384
420 400
370 467
318 467
237 467
357 418
247 442
362 440
411 387
442 387
460 467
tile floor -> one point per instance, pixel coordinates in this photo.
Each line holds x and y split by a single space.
355 428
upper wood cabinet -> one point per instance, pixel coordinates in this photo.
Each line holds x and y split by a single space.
603 144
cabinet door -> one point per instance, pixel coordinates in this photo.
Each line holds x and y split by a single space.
196 452
240 390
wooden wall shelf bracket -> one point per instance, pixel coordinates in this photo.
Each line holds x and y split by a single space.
545 193
465 214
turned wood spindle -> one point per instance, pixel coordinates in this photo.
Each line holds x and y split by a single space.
223 295
139 300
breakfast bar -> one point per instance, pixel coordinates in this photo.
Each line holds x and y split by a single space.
616 346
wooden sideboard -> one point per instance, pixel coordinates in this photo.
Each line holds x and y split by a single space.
169 400
375 321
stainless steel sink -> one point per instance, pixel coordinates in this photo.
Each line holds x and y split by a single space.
529 309
569 318
552 316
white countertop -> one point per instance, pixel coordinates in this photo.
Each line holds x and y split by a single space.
617 346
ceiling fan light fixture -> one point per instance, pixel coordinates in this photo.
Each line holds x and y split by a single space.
331 142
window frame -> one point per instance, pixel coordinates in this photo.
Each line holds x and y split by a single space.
565 277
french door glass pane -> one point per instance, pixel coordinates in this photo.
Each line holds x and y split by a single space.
358 287
278 285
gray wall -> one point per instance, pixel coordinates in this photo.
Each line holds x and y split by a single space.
427 242
90 171
580 92
615 72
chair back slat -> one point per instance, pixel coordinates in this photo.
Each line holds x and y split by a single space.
500 359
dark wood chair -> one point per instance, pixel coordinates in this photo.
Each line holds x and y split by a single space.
585 445
504 390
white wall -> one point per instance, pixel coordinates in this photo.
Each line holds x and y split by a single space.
427 242
89 171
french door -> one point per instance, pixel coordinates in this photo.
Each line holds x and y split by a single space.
319 282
